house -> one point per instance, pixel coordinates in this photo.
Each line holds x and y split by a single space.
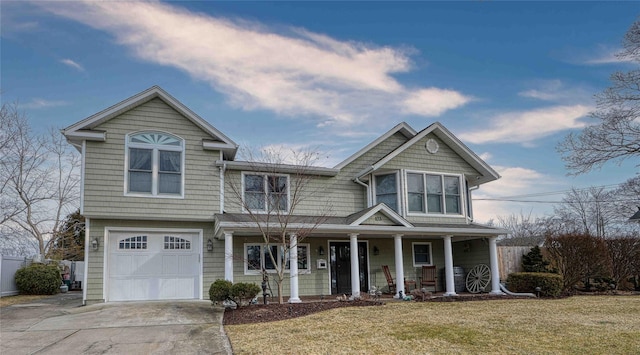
163 222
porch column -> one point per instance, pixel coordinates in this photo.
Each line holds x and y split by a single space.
293 268
448 267
228 256
355 265
495 271
397 241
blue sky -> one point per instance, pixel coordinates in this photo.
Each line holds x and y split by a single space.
510 79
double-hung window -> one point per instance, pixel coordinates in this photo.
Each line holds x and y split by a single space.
387 190
266 192
258 258
422 254
155 164
433 193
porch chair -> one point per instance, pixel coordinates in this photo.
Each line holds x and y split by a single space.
429 277
390 282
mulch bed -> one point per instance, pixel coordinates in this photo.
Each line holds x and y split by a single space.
260 313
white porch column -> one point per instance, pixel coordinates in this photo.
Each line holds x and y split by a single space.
448 267
293 268
228 256
495 271
355 265
397 241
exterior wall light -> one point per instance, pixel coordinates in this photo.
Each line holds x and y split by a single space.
376 251
209 245
320 250
95 244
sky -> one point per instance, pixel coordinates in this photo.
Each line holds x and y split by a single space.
510 79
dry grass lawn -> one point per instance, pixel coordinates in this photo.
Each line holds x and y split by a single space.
576 325
11 300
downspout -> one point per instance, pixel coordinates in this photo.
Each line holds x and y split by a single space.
359 182
469 189
223 169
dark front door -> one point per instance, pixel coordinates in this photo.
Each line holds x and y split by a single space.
340 259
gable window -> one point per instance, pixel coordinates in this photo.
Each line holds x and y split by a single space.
265 192
155 164
433 193
387 190
422 254
257 258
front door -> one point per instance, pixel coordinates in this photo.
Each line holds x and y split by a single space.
340 259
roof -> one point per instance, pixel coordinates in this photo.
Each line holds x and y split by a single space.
246 223
280 168
85 129
487 173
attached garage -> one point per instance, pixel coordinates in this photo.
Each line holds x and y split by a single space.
153 265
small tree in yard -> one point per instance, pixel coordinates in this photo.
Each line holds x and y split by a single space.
534 261
578 257
264 199
624 255
68 243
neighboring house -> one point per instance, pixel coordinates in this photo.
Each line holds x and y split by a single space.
162 223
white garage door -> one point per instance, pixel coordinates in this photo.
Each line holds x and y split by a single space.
153 266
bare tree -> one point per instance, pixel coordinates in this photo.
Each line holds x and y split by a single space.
278 220
523 230
617 135
40 181
589 211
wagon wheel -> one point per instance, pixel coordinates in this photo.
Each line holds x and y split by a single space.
478 278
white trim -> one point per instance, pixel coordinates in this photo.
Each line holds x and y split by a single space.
97 136
108 230
280 168
155 164
83 159
402 127
387 211
413 254
87 237
266 193
223 169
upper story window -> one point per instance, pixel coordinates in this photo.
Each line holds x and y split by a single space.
155 164
387 190
433 193
266 192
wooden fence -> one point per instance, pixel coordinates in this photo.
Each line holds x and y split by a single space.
510 259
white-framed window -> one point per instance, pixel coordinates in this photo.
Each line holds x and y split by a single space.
177 243
257 258
154 165
138 242
386 189
265 192
422 254
430 193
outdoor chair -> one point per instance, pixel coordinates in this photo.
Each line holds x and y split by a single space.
390 282
429 277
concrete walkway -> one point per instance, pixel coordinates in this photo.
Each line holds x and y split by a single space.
59 325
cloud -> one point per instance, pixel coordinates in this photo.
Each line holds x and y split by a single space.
527 126
291 71
72 64
38 103
557 91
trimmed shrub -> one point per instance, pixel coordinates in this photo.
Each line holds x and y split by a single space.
220 291
243 292
550 284
38 279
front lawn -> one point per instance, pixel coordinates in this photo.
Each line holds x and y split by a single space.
576 325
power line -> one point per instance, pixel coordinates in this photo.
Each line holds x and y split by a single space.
541 194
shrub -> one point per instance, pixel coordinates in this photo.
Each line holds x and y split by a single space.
38 279
220 291
533 261
242 292
551 285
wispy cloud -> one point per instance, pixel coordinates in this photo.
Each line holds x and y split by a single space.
38 103
557 91
525 127
72 64
291 71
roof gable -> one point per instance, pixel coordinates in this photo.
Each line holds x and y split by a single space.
85 129
387 217
486 172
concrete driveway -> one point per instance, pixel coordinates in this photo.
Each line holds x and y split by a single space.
60 325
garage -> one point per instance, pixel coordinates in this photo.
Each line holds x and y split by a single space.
154 265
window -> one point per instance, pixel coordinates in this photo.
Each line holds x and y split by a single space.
387 190
433 193
176 243
266 193
137 242
154 164
257 257
421 254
